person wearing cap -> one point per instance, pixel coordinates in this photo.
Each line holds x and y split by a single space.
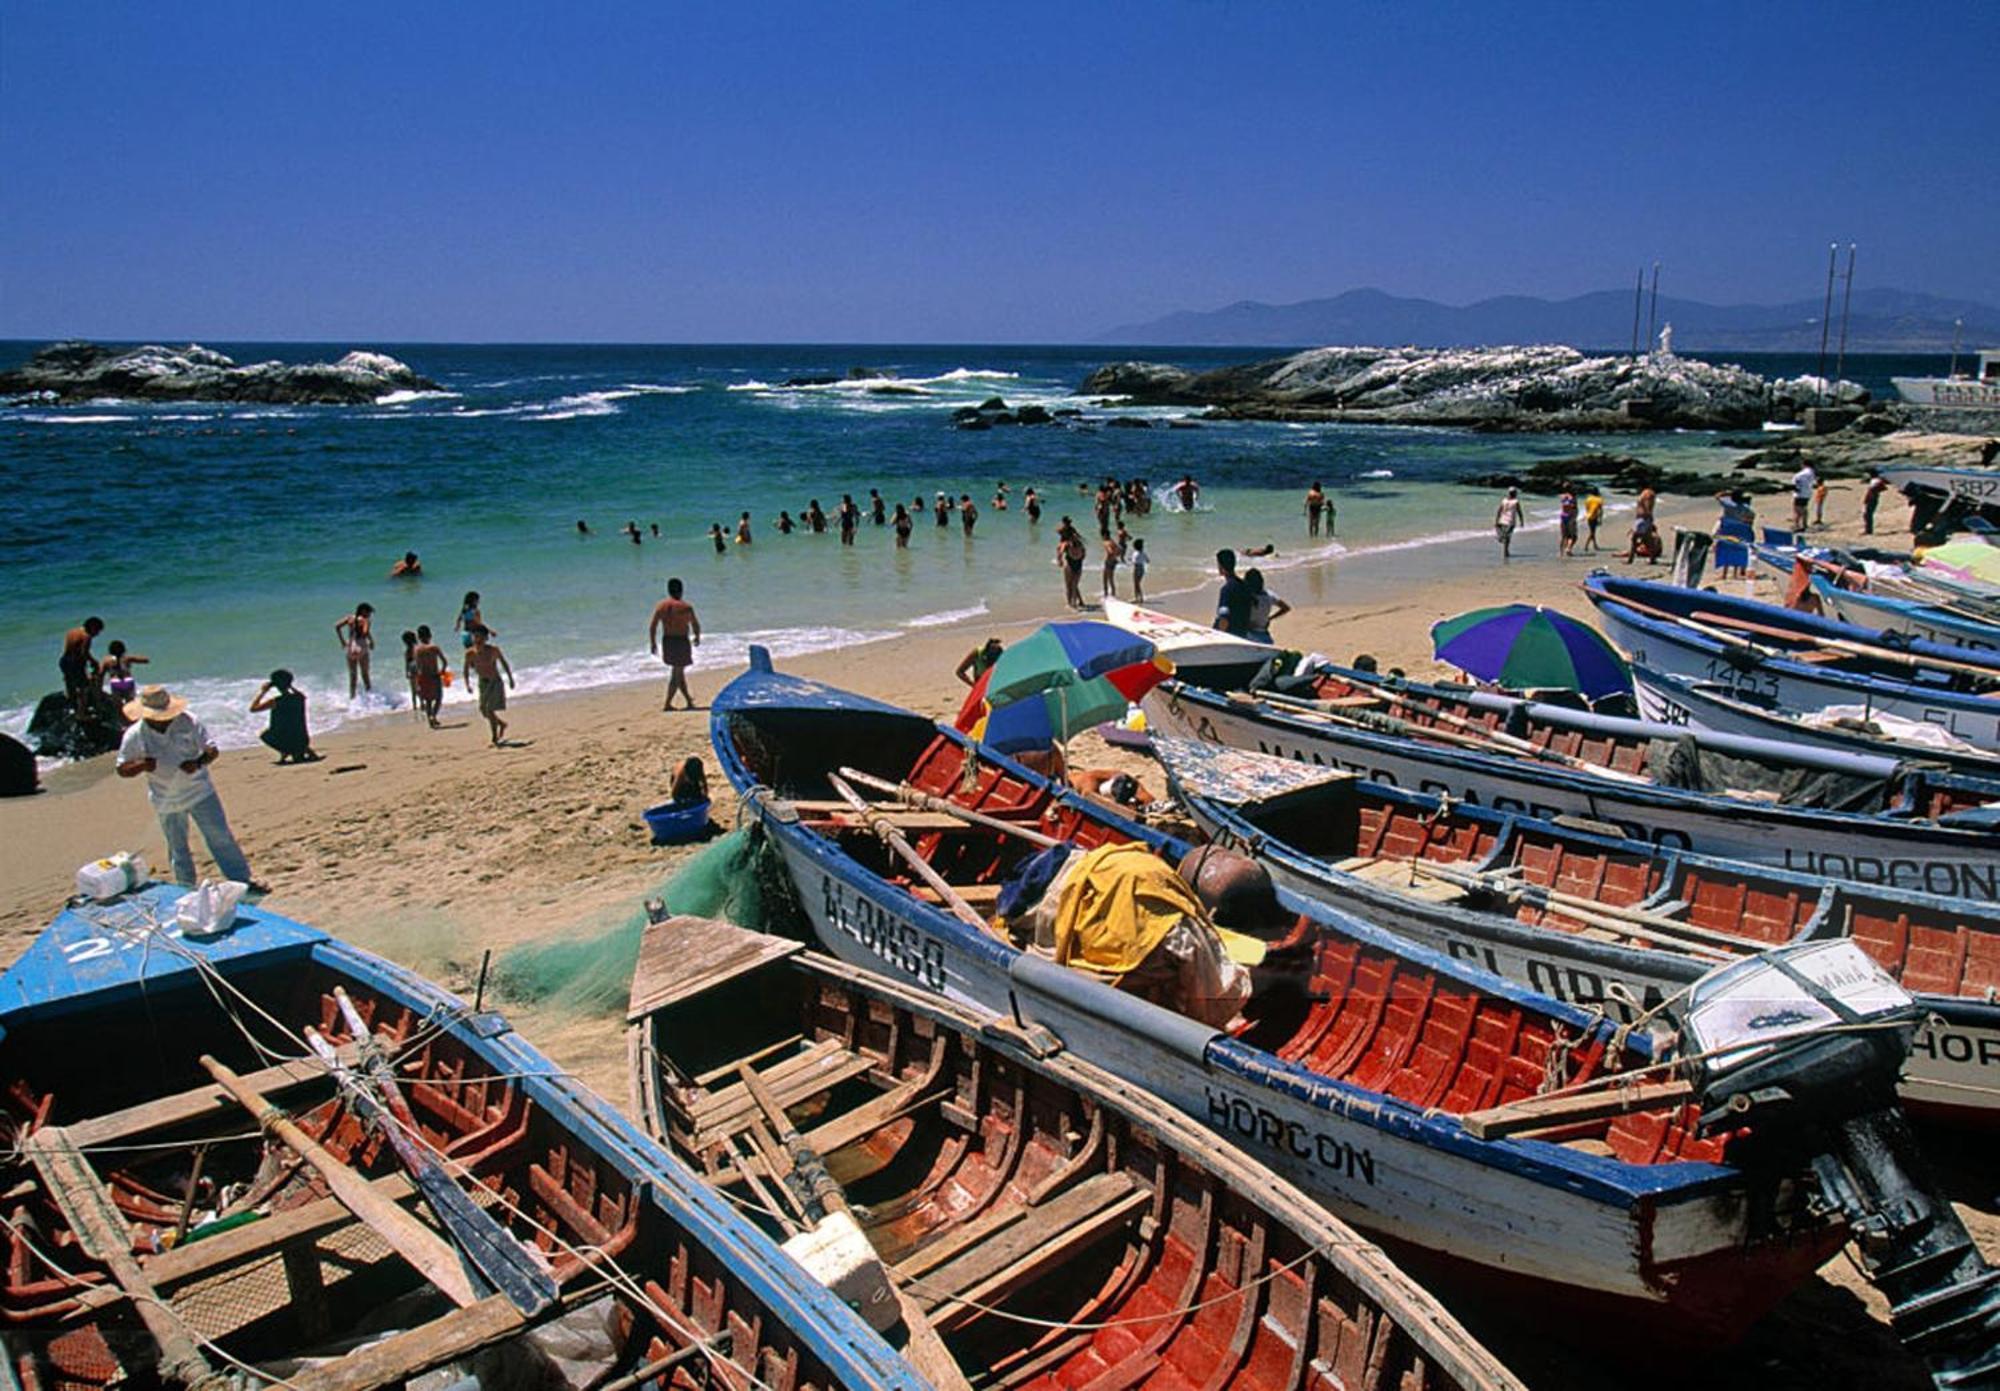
172 750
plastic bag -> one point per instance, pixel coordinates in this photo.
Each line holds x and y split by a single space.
209 909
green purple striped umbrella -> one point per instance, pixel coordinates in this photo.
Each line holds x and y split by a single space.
1522 646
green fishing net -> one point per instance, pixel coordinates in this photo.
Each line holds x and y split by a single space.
740 877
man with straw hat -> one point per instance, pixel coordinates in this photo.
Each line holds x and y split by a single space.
172 749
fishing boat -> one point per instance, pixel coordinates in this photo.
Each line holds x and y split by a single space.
1957 390
1053 1226
1202 656
265 1156
1427 1101
1617 925
1717 708
1932 622
1885 822
1801 662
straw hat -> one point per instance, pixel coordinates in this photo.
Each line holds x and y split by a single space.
155 703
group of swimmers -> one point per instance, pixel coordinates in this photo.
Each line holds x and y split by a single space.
425 665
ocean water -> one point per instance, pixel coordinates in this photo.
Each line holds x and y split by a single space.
224 541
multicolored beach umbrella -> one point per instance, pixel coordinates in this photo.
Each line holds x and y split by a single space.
1522 646
1059 680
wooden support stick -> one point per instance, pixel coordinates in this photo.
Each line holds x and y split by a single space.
1633 922
925 801
905 852
423 1248
1547 1112
87 1203
1851 648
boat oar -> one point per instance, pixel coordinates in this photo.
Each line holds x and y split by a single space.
1630 922
926 801
886 831
1856 649
423 1248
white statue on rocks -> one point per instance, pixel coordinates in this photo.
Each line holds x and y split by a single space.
1666 348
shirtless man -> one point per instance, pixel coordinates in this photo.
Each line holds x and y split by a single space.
356 634
486 658
1315 504
427 666
408 568
674 633
79 668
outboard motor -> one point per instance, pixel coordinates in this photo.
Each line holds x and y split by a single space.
1804 1044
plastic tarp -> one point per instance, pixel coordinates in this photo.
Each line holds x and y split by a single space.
1685 763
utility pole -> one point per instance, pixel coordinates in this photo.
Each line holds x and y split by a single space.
1653 309
1638 299
1846 303
1832 251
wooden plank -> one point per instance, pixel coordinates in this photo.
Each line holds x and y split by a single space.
981 896
1544 1112
199 1103
87 1205
397 1359
1046 1236
725 1110
685 955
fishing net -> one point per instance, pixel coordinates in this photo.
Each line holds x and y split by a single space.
740 877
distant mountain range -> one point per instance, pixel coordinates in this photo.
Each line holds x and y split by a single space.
1880 321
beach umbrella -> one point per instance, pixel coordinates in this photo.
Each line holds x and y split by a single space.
1519 646
1061 679
1965 560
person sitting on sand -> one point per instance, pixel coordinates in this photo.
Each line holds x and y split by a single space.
486 658
408 568
286 733
116 672
356 635
431 667
690 784
976 662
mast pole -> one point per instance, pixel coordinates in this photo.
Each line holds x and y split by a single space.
1638 299
1652 310
1846 303
1832 251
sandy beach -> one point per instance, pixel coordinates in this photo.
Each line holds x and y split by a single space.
432 847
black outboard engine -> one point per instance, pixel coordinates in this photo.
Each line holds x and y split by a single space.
1804 1045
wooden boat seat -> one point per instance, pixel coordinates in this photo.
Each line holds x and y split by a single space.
984 1260
1397 875
984 897
818 1068
198 1103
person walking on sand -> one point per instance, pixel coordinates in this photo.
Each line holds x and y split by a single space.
674 633
80 670
486 658
903 525
1803 483
171 749
410 669
1505 518
429 664
1566 522
286 733
1138 569
1871 498
356 635
1593 517
1819 501
967 514
1113 553
1315 504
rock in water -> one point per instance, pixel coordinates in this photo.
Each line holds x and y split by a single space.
18 776
88 371
1535 388
58 733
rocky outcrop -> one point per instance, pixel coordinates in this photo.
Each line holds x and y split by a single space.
57 732
88 371
1617 473
1532 388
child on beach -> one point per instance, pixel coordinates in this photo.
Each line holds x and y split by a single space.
1593 515
690 784
1138 569
286 732
116 672
486 658
469 617
1112 555
410 667
430 668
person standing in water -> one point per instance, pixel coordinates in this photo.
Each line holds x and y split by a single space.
356 635
486 658
1069 555
430 664
1138 569
116 672
408 568
469 617
1315 504
878 511
941 510
849 517
717 539
80 671
1112 555
967 514
903 525
784 524
1505 518
815 517
743 530
1188 491
674 633
1032 501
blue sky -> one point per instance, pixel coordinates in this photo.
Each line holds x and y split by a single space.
877 172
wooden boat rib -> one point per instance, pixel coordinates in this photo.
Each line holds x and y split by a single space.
1059 1228
1615 924
171 1220
1357 1086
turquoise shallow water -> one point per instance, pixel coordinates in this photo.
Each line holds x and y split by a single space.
224 541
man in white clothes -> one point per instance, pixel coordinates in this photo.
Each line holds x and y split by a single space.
1803 483
172 749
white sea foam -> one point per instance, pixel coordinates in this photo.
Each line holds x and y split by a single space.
658 389
944 618
1378 473
57 418
404 398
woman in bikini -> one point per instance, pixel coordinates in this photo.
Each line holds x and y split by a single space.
356 633
468 618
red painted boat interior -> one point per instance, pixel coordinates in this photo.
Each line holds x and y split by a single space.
997 1193
1363 1015
287 1294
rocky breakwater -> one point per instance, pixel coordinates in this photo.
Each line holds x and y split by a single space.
1531 388
74 371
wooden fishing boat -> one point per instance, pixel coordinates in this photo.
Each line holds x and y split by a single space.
1617 925
1380 1085
1931 622
1054 1227
1800 661
1715 708
1911 827
1202 656
268 1150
